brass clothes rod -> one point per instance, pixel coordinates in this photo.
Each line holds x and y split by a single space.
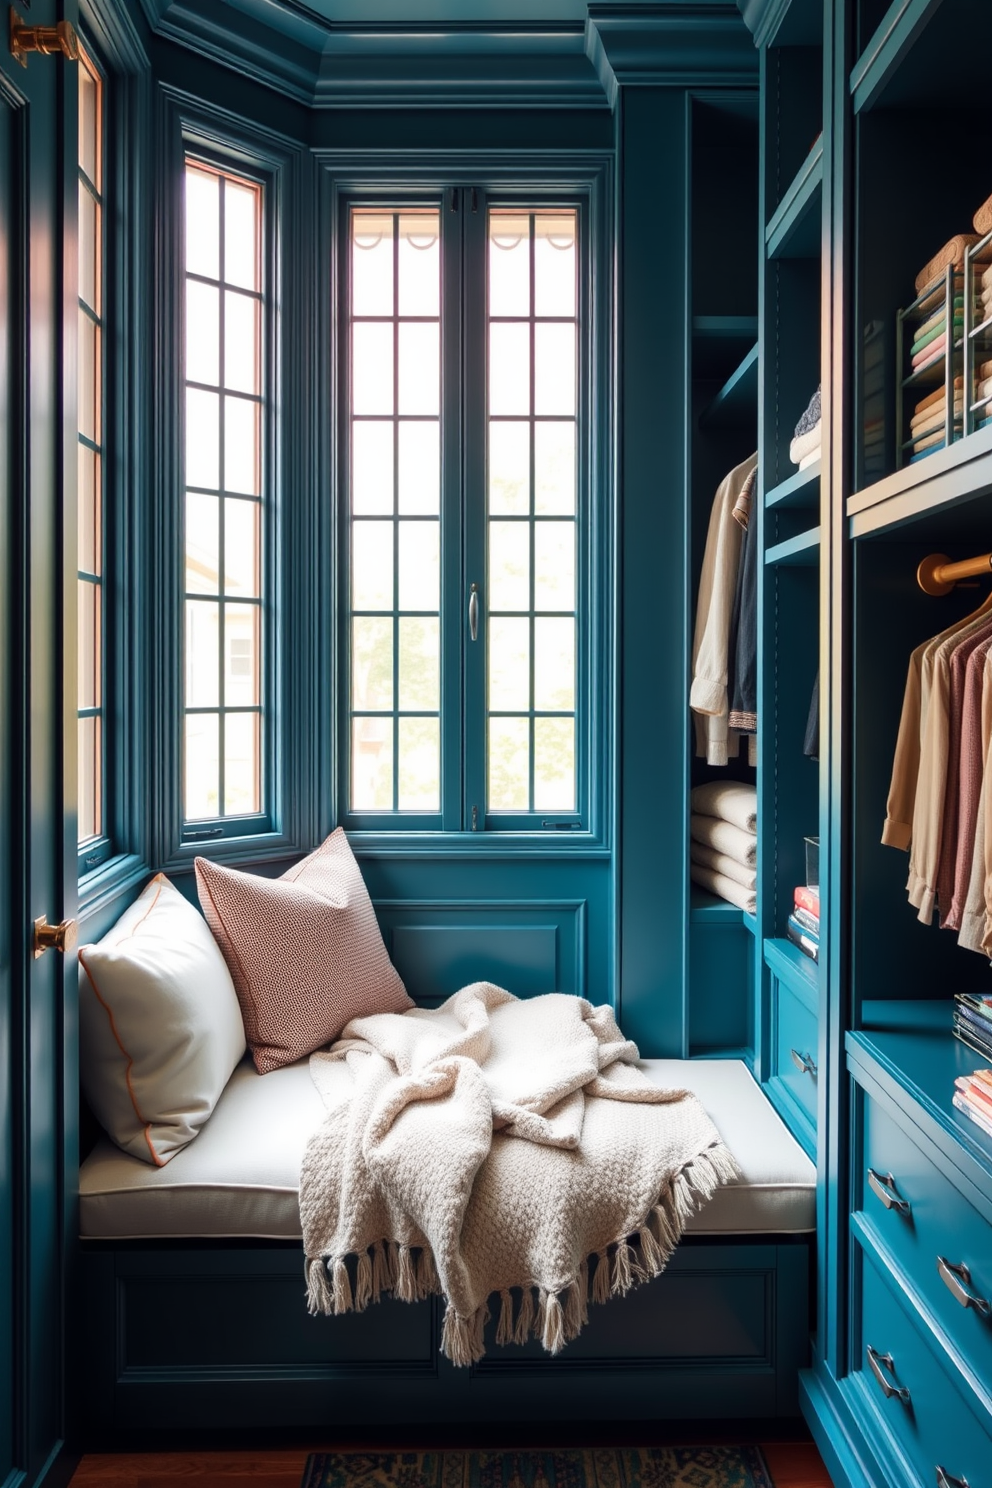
937 575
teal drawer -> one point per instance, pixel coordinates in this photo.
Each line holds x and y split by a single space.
927 1413
794 1046
929 1227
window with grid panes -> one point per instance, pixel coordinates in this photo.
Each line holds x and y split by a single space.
223 664
464 430
91 800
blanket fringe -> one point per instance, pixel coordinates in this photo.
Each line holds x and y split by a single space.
556 1317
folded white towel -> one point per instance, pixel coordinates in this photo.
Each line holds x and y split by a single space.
732 800
724 837
809 459
804 444
724 888
720 863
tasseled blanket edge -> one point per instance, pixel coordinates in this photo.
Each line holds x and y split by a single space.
555 1318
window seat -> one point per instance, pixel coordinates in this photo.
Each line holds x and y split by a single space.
238 1179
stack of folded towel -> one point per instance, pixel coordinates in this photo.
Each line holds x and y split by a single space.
927 427
723 849
805 447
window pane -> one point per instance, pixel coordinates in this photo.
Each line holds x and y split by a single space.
509 368
419 265
509 664
509 566
241 547
420 565
554 368
554 565
202 333
554 469
554 764
88 513
89 810
554 264
202 223
240 342
372 263
89 378
242 772
241 235
509 264
420 468
241 672
509 469
371 663
509 764
202 543
202 439
372 368
89 246
89 125
372 764
89 644
420 764
372 566
419 379
202 766
554 664
372 468
202 654
241 471
419 669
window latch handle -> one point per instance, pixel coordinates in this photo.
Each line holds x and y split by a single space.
473 612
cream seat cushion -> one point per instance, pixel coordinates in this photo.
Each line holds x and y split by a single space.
240 1176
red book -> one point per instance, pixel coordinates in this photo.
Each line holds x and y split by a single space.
808 899
975 1094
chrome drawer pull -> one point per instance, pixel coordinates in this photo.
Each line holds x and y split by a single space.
957 1280
884 1188
877 1361
948 1480
803 1062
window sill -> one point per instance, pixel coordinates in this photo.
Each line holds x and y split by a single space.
471 845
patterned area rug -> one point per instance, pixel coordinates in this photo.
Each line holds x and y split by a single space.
609 1467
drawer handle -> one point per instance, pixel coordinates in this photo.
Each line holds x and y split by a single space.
948 1480
803 1062
884 1187
878 1362
957 1280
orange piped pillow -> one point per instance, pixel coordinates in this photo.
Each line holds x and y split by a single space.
304 951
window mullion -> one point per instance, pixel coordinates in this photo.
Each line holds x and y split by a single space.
473 380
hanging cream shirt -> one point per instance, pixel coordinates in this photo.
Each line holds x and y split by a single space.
715 740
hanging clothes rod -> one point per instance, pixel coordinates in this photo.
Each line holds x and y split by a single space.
937 574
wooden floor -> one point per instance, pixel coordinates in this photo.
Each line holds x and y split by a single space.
793 1464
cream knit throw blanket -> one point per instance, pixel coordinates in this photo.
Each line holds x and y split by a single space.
497 1143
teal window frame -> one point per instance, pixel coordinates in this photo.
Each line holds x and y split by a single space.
585 185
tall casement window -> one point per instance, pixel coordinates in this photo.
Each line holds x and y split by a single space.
224 774
465 466
92 808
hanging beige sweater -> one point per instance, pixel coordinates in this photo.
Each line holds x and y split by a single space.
715 740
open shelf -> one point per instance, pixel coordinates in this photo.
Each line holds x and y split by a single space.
736 404
942 481
794 230
708 909
919 55
801 551
801 492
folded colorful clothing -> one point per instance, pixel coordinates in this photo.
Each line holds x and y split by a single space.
934 418
931 353
937 396
920 341
805 444
928 441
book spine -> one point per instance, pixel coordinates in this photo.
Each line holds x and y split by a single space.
980 1121
975 1098
981 1007
966 1037
810 922
808 899
802 939
968 1019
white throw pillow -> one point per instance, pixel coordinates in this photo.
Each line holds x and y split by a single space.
160 1025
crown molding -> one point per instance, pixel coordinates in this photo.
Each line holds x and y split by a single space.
701 44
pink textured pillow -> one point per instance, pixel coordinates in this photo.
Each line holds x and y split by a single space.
304 951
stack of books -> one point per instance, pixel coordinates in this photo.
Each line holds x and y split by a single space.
973 1096
973 1021
803 926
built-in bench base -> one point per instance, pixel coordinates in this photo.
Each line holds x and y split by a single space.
187 1337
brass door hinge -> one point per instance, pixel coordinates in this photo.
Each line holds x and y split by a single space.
46 39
